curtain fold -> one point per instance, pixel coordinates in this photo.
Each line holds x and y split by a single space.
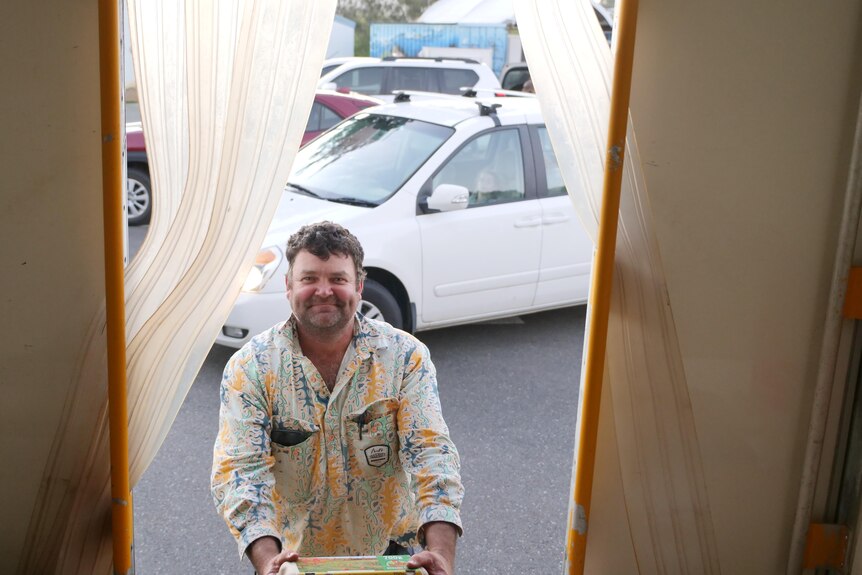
225 88
648 440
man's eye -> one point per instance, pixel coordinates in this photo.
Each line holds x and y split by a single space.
340 280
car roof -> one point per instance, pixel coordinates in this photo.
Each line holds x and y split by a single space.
405 62
436 61
345 59
441 62
345 104
452 110
360 99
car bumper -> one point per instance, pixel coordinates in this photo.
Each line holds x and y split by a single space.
252 314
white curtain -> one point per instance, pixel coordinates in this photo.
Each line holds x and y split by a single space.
225 88
648 452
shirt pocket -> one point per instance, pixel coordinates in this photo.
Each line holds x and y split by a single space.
295 444
373 438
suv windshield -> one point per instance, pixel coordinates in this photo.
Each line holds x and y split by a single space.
365 159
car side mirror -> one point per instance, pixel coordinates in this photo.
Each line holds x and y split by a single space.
332 86
449 197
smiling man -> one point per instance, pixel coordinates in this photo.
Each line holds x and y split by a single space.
331 439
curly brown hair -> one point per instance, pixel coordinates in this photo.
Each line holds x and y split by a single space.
323 239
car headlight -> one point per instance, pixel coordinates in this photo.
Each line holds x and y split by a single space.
265 264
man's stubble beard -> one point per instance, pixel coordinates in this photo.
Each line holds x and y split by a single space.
334 322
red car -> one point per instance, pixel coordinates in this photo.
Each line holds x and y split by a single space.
328 109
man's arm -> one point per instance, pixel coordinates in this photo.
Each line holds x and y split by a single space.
242 479
267 557
438 558
429 455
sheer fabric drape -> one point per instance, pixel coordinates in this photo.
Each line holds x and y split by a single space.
648 446
225 88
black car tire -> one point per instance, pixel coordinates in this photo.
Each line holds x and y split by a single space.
378 303
139 197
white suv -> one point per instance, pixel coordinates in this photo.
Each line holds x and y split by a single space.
382 76
459 205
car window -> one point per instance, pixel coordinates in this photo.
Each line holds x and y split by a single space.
327 69
515 79
408 78
328 118
452 80
491 167
554 177
365 159
363 80
313 118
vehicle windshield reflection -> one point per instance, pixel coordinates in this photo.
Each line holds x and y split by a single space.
366 159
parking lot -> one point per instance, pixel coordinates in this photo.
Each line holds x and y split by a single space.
509 394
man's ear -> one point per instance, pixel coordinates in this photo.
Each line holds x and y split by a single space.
359 286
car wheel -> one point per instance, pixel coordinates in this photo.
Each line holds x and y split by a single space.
139 198
377 303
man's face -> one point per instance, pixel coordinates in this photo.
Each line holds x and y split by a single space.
323 294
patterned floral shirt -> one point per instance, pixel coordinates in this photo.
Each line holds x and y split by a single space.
341 472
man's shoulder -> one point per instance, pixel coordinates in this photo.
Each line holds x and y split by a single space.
275 339
386 336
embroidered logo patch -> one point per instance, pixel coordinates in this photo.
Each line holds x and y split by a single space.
377 455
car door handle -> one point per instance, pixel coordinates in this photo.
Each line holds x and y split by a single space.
529 222
555 219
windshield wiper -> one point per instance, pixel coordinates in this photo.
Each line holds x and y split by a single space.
302 190
354 202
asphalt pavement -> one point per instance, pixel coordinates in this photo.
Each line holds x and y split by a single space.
509 393
137 235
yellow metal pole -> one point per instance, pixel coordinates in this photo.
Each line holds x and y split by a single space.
600 292
112 182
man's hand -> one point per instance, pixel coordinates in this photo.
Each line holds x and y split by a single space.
265 555
434 563
439 555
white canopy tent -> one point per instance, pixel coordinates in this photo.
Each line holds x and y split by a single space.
469 12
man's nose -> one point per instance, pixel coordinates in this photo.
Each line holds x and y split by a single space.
324 288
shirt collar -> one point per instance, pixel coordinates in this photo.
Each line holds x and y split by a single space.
367 337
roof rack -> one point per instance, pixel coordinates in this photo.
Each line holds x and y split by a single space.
488 109
473 92
404 95
432 59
